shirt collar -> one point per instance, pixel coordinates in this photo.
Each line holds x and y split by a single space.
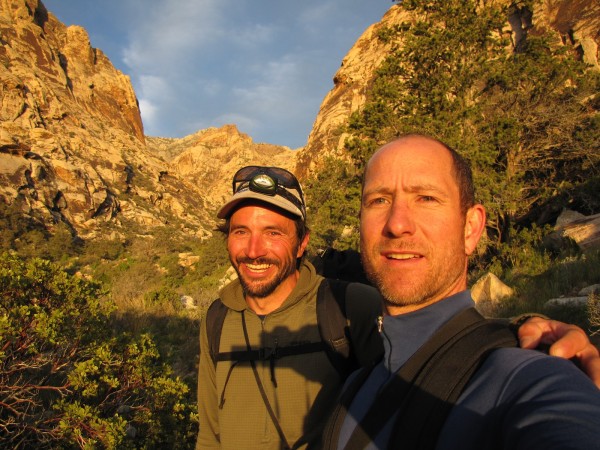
405 333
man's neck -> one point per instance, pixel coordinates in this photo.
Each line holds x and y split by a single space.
268 304
396 310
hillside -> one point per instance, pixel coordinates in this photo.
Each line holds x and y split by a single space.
73 150
72 145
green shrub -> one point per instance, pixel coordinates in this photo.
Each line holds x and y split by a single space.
66 381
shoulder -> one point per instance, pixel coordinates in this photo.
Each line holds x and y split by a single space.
526 399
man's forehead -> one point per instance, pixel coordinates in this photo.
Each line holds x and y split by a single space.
407 153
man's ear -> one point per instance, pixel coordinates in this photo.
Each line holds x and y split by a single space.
474 226
302 246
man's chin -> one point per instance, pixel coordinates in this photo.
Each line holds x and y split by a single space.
407 295
258 290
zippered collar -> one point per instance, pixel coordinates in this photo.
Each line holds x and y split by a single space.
404 334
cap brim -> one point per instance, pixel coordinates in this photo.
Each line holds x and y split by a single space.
275 200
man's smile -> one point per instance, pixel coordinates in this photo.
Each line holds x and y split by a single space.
258 267
402 256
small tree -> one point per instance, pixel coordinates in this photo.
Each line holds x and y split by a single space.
66 382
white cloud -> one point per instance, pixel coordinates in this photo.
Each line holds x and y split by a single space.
149 113
171 31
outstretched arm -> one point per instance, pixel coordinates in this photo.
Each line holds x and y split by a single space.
565 340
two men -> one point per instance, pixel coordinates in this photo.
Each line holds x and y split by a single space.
264 389
419 223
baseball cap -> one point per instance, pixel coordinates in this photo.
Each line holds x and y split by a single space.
272 185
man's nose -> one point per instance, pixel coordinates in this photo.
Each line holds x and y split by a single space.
256 247
400 220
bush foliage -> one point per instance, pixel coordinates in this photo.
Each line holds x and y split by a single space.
66 380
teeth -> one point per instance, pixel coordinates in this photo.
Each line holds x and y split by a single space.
403 256
258 266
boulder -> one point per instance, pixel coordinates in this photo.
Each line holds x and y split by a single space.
589 290
583 230
489 288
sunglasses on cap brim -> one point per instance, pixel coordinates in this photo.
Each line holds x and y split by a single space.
269 181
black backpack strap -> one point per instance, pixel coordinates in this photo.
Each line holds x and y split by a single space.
332 323
333 326
428 385
269 354
215 317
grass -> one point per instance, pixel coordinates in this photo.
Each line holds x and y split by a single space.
563 277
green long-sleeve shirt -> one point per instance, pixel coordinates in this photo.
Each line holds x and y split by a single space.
301 389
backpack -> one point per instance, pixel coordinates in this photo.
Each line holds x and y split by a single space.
333 325
427 386
340 264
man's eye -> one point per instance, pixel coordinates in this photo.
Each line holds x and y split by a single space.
378 201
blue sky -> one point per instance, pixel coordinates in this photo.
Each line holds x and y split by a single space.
263 65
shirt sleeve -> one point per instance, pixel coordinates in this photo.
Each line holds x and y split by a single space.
208 417
552 405
525 400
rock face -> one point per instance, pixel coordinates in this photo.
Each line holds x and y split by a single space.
72 145
574 22
210 157
71 135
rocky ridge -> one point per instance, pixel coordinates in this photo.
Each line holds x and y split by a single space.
210 157
574 23
72 145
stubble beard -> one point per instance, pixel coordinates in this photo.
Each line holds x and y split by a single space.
264 288
397 292
404 289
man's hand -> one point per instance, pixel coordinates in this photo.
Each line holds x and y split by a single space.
565 340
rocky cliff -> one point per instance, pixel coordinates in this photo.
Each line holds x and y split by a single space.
574 22
72 145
